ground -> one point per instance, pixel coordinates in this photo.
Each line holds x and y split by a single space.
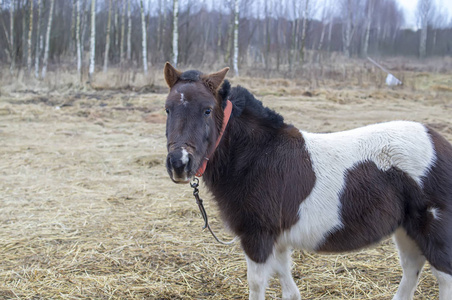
87 209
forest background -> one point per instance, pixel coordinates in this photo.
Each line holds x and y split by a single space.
263 38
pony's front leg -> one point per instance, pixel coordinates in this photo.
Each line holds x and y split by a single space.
282 267
278 262
258 275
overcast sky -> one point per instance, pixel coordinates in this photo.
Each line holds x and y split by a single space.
409 7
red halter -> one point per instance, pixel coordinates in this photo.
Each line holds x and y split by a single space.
227 115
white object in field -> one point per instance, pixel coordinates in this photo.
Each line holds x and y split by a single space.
391 80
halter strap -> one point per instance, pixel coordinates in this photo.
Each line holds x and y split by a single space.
226 117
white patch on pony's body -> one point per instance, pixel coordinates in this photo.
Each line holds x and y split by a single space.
435 212
401 144
182 99
184 159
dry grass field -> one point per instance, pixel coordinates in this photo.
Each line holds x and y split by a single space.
87 210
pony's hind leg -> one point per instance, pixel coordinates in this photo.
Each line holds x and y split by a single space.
445 284
412 261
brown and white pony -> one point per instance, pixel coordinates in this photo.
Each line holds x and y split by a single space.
279 188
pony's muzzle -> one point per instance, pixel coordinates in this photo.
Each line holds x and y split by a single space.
179 165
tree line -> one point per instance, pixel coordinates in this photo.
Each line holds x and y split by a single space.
266 34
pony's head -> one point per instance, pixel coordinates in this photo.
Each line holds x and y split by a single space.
194 116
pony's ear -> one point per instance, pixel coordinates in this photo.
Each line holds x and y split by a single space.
171 74
214 80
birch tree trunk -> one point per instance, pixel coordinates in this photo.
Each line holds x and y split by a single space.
424 8
220 27
367 32
30 34
92 45
77 39
73 23
227 57
330 30
175 32
23 45
123 27
116 8
129 31
143 40
84 25
294 42
267 36
303 32
47 46
322 37
107 39
164 26
423 42
236 38
12 51
159 26
325 12
38 39
347 34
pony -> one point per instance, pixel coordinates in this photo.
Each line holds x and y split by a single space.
279 188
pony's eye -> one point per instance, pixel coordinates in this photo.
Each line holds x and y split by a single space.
207 111
167 110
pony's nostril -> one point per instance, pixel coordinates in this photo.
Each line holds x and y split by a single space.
189 163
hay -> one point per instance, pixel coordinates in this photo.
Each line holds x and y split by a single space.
87 209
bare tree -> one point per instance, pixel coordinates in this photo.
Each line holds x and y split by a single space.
47 46
303 32
175 31
30 34
129 30
236 38
116 20
73 23
77 38
219 34
92 43
12 50
422 11
38 39
349 10
160 25
123 26
330 31
107 39
294 34
424 14
267 36
368 21
143 41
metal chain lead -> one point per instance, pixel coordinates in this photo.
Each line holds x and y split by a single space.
194 184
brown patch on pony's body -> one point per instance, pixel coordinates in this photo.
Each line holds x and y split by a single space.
376 202
372 207
259 176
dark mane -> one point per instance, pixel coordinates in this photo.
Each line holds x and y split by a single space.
243 100
191 75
